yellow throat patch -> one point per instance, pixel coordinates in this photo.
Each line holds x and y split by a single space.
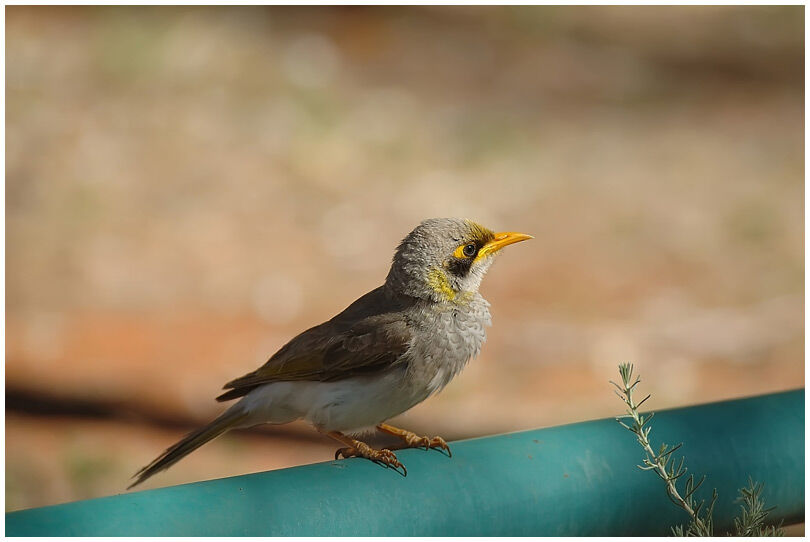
437 280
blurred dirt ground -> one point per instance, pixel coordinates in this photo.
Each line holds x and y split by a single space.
187 188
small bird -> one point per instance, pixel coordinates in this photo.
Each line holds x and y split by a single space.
388 351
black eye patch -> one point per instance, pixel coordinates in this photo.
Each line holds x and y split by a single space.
459 266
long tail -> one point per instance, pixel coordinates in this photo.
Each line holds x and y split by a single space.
189 443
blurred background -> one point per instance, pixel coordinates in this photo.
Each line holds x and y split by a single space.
187 188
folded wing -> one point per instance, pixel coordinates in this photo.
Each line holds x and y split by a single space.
369 337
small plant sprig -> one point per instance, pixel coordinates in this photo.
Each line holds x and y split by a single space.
662 462
753 514
752 519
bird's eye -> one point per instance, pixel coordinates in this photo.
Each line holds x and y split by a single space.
469 250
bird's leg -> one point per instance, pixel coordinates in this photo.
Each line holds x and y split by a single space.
357 448
412 440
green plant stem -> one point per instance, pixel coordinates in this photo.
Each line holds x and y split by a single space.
657 462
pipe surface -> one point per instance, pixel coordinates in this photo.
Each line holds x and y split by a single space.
572 480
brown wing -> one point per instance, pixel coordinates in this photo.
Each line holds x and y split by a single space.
370 336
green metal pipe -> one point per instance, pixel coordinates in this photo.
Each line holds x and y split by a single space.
578 479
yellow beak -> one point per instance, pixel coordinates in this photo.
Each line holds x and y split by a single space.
501 240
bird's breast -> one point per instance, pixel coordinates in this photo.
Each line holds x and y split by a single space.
448 336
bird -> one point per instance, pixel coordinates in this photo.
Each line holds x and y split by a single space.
388 351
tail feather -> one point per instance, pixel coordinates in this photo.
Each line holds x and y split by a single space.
189 443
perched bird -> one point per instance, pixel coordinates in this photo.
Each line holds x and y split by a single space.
386 352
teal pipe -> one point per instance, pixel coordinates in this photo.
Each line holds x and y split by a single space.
572 480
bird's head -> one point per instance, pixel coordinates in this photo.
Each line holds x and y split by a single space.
444 259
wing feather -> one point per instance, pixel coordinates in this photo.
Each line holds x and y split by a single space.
369 336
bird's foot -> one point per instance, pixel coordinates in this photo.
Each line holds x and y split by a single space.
415 441
412 440
357 448
384 456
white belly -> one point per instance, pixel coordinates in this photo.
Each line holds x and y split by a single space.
349 406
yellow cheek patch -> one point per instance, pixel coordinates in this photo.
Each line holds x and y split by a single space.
437 280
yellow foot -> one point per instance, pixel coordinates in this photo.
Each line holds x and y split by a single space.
412 440
357 448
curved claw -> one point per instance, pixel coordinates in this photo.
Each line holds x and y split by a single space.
439 442
390 459
404 470
345 452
